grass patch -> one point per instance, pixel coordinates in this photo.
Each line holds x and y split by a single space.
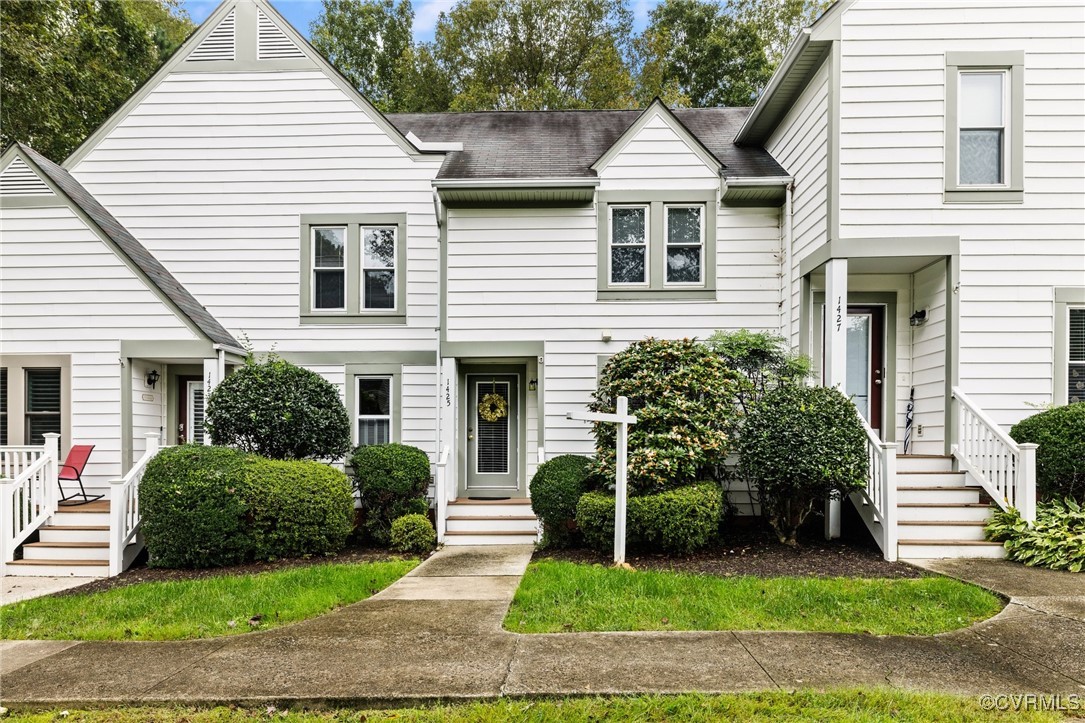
557 597
202 608
871 706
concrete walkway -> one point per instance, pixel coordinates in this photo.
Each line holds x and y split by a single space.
16 588
436 634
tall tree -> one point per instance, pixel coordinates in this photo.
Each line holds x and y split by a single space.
68 64
535 54
777 22
369 42
694 53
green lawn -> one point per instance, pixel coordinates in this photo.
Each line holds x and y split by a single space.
801 707
556 597
201 608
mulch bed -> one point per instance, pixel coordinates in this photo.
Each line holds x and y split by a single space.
139 572
753 550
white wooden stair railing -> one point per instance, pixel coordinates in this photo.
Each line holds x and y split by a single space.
124 513
878 500
28 493
1004 468
442 494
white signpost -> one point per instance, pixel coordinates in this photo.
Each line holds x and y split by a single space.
623 419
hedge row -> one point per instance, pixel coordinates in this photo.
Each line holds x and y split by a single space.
680 520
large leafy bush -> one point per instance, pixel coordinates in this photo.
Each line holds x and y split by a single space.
802 445
280 411
1056 540
392 480
213 506
683 396
680 520
763 362
1060 460
555 489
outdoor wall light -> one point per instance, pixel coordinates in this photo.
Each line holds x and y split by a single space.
533 385
152 378
606 335
919 318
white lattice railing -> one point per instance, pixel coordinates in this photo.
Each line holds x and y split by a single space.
880 495
28 493
124 514
1004 468
443 494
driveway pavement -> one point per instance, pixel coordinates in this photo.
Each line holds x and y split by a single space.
436 635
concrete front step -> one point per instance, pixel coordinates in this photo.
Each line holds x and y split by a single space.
59 568
911 549
490 508
968 530
73 533
53 551
934 493
938 511
483 523
931 479
492 537
924 463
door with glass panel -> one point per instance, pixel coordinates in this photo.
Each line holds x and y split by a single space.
866 368
190 410
492 433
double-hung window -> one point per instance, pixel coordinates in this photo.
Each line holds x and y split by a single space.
657 245
352 269
374 409
984 127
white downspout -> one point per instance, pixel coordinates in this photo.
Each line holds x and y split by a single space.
785 259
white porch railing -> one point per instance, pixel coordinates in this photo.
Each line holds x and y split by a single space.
443 494
124 515
1004 468
28 493
878 501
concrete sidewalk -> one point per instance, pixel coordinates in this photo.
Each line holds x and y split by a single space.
436 635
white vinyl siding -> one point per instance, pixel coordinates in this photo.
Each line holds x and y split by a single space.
148 404
657 158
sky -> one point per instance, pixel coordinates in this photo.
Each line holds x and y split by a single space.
302 12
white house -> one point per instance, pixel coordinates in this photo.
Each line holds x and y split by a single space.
916 170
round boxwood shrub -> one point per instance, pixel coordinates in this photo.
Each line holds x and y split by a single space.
801 446
280 411
391 480
680 520
683 396
413 533
1060 459
297 508
555 489
192 499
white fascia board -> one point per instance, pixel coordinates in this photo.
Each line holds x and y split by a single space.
793 54
759 181
433 146
515 182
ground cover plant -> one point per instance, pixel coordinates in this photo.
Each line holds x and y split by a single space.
200 608
556 597
1056 540
1060 459
803 706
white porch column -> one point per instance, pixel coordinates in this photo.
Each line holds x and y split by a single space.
212 375
836 356
447 403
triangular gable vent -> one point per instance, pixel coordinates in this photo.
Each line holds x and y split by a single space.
272 41
219 43
19 180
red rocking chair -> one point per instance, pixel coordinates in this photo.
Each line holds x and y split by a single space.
72 471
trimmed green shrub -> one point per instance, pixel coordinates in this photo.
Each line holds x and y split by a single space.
214 506
1060 460
555 490
680 520
391 480
280 411
684 398
1056 540
413 533
297 508
763 361
193 505
802 445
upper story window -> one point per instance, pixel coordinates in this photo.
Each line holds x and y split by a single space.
984 127
352 269
657 245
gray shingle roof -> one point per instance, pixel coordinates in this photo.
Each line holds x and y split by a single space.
133 249
564 144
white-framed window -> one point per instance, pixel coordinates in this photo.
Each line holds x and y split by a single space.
983 127
379 267
329 268
1075 362
374 409
684 230
628 245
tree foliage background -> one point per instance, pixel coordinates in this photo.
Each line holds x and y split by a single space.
67 65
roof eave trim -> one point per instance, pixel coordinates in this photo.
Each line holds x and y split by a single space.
482 183
790 58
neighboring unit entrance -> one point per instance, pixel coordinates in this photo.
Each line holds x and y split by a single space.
866 367
492 434
190 410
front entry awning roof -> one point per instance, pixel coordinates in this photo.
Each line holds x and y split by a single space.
889 255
